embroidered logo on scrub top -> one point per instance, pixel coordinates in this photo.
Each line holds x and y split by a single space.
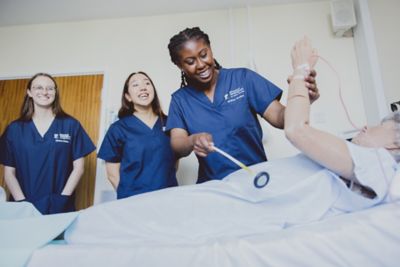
64 138
234 95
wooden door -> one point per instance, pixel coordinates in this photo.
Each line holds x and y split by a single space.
12 93
80 97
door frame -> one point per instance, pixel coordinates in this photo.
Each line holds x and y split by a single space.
105 110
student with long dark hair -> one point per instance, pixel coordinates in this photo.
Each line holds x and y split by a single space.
137 152
43 150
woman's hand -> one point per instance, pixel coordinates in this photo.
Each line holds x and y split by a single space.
311 84
202 144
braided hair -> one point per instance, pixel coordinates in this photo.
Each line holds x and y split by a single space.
178 40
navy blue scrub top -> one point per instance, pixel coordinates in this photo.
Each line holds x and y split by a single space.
231 119
43 164
147 160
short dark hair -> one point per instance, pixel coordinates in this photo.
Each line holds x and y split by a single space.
177 41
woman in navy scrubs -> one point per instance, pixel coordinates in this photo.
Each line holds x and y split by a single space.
43 150
137 152
220 106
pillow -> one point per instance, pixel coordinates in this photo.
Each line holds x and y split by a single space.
2 195
394 191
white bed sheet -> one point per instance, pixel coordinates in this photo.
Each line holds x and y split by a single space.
23 229
367 238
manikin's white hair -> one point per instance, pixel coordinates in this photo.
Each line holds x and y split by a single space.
395 117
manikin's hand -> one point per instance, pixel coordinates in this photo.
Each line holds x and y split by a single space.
304 58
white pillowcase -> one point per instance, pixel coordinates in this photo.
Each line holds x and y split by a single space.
2 194
395 187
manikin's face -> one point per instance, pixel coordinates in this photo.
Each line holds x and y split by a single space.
140 91
382 135
42 91
197 61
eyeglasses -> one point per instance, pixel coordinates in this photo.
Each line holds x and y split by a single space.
41 89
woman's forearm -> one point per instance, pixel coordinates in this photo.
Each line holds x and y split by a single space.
74 177
12 183
181 142
182 145
113 173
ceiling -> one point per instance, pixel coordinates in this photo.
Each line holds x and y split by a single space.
20 12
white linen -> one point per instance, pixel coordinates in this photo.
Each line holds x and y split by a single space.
300 191
23 229
367 238
2 194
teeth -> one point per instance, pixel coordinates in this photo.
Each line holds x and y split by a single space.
204 74
142 96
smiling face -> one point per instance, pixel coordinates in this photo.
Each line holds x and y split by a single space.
383 135
140 91
42 91
197 61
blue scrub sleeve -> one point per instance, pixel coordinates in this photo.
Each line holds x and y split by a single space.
82 145
7 156
175 116
261 92
112 147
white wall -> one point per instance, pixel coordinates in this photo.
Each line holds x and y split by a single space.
386 21
368 63
118 47
376 39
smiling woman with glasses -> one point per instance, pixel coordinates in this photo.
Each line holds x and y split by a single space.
43 150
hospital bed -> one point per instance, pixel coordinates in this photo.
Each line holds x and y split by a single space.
104 236
366 238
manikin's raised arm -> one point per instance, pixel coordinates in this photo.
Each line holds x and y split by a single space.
324 148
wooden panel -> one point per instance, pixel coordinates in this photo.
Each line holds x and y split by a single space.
81 98
12 93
